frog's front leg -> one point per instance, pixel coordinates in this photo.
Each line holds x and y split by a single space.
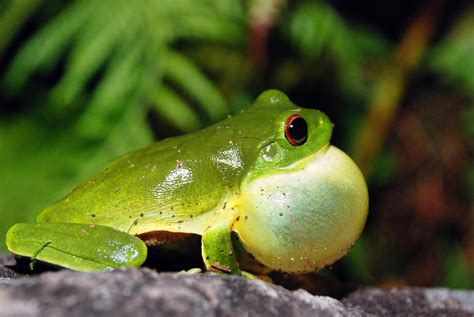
217 249
81 247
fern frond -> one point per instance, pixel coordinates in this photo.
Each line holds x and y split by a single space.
179 70
130 132
208 26
317 30
174 109
92 49
453 56
114 93
12 17
170 20
45 48
89 32
312 26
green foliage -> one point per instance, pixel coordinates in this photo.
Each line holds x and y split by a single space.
129 46
12 19
318 31
357 262
452 57
120 60
457 273
384 167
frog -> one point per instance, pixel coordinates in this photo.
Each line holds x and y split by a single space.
266 179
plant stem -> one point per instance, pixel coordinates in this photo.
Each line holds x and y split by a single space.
390 88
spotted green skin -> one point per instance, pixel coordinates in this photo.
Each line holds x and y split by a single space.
211 183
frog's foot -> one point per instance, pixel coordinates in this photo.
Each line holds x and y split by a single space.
218 268
35 255
194 270
79 247
217 250
249 276
214 269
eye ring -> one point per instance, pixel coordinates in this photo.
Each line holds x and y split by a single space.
296 130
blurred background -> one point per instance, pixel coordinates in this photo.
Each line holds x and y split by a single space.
84 81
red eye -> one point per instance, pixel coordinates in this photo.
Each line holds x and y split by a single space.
296 130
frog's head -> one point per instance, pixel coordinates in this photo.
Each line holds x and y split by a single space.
304 203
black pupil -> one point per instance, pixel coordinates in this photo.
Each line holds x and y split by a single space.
298 130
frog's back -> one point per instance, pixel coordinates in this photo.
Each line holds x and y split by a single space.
173 185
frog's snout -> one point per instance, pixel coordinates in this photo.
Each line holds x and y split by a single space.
306 218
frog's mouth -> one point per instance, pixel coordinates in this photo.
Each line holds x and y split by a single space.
307 217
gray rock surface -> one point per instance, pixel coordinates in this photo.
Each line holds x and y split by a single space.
143 292
411 302
5 261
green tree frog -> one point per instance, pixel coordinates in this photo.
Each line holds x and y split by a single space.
267 174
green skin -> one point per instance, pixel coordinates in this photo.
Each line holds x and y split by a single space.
294 208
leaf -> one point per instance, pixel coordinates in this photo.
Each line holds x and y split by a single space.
319 32
173 108
113 94
185 74
88 33
12 17
456 265
92 49
47 45
452 57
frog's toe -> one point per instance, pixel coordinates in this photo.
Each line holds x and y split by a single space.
194 270
249 276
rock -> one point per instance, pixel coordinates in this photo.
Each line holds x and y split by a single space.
144 292
7 259
5 272
411 302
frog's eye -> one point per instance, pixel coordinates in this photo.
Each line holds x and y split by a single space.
296 130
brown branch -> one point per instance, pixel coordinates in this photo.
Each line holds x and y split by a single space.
263 17
391 86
